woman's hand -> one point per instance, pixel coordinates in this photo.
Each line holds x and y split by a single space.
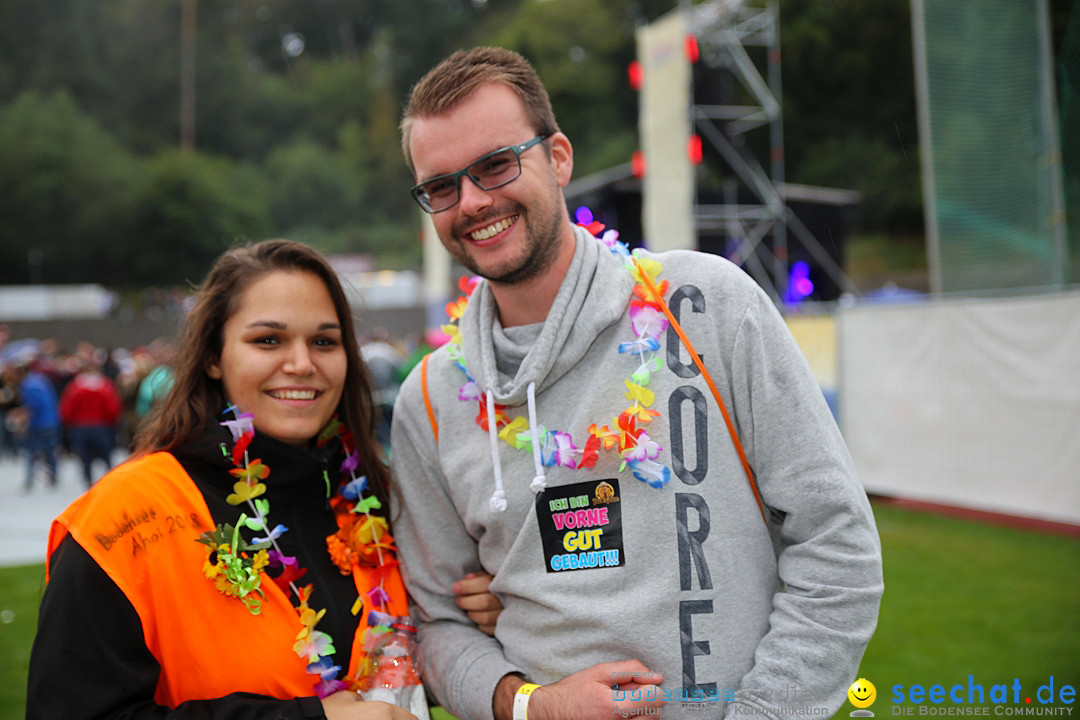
347 705
481 606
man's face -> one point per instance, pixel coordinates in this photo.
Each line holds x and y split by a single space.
512 233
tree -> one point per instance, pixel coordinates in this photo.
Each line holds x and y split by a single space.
67 191
191 208
582 58
849 104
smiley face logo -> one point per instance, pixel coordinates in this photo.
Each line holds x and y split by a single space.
862 693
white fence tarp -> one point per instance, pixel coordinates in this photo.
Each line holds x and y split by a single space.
972 402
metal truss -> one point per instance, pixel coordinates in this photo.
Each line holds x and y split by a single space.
724 29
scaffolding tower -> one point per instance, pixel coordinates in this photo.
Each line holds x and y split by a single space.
722 30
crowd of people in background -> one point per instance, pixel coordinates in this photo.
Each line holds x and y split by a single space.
86 402
82 402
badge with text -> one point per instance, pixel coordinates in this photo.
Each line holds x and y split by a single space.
581 526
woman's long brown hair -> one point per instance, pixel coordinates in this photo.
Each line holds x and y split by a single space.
196 399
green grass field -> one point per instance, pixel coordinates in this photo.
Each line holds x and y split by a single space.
965 598
962 598
20 593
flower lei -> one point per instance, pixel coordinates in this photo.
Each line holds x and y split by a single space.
625 434
235 564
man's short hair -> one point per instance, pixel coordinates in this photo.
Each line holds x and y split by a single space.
457 77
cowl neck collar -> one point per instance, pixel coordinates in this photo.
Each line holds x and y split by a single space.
593 295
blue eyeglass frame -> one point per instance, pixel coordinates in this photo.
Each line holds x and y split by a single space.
420 196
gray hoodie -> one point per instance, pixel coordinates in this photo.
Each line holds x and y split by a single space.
595 565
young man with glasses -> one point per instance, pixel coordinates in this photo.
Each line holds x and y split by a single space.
565 442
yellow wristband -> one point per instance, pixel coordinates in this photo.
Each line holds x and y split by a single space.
521 701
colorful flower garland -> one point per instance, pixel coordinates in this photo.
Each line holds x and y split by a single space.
235 565
633 444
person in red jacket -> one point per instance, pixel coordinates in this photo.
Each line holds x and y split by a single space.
90 409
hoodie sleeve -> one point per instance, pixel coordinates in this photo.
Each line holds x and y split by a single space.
460 665
829 555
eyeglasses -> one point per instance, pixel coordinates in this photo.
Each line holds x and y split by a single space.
498 168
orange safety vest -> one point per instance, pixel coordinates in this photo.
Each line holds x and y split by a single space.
140 523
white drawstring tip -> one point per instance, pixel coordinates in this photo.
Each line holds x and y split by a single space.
539 482
498 498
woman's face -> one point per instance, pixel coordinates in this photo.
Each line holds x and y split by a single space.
282 357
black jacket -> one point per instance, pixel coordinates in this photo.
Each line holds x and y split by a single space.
89 659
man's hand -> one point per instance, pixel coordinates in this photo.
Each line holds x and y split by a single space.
347 705
481 606
587 695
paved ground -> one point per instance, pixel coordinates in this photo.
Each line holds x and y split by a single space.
25 516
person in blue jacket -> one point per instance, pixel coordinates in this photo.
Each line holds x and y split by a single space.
40 406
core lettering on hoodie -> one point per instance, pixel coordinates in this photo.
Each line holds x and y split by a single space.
688 440
693 648
699 417
691 554
674 346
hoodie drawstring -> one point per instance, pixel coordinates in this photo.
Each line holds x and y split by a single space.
539 482
498 498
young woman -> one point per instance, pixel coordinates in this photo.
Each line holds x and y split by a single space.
240 565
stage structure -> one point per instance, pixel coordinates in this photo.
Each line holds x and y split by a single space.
687 123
